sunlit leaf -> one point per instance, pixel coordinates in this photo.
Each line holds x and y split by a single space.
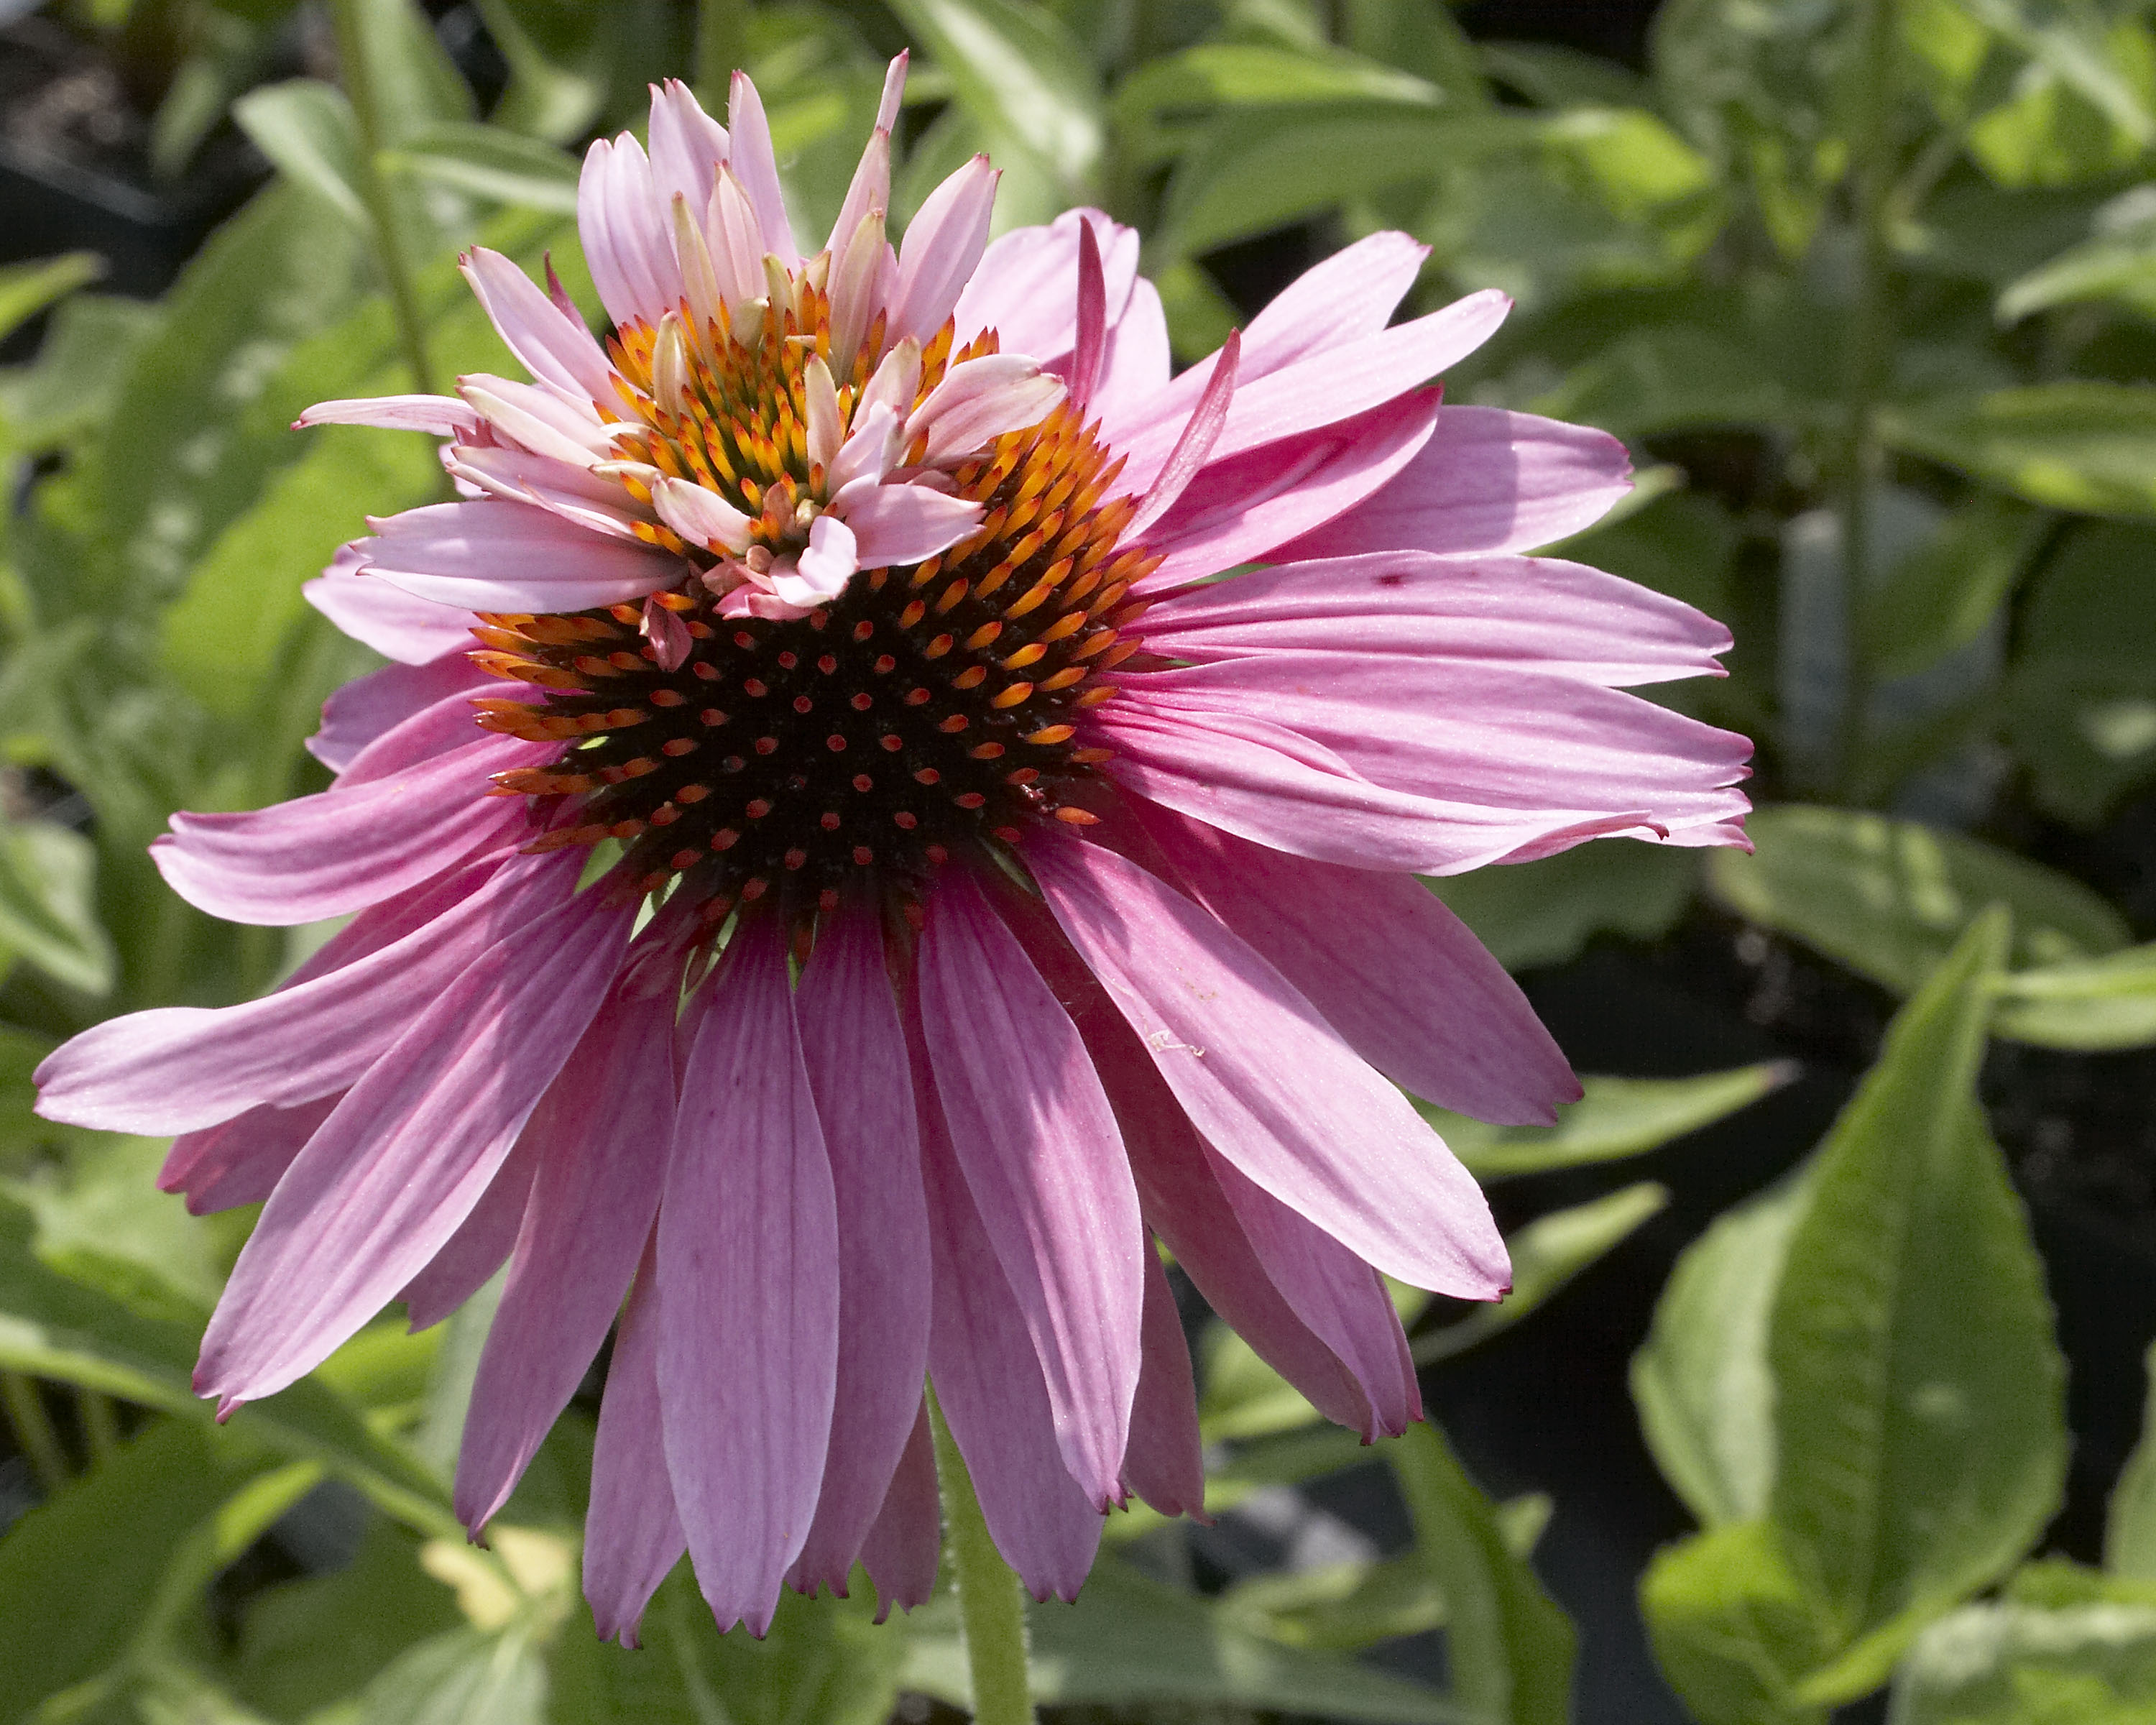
1345 1606
2089 446
465 1677
491 162
2089 1004
2006 1664
2129 1533
1545 912
412 82
1018 69
1733 1628
1616 1117
48 904
306 128
26 289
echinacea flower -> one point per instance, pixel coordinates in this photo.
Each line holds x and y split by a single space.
890 882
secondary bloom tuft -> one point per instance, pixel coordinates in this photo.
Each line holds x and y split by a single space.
834 879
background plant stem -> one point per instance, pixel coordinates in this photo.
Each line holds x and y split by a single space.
374 190
34 1430
990 1604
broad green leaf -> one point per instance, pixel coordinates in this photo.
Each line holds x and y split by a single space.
1132 1641
1944 594
2129 1533
26 289
1700 1381
410 78
491 162
1733 1629
1889 898
1421 37
1617 1117
1508 1649
1161 107
465 1677
1919 1396
1543 912
1344 1607
1019 70
2116 264
2089 1004
1243 1396
306 128
68 390
1546 1254
48 904
102 1221
2010 1663
2088 446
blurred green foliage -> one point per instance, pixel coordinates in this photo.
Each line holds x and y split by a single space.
1870 288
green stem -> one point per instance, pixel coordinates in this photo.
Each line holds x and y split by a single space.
991 1605
101 1423
1870 343
34 1430
374 192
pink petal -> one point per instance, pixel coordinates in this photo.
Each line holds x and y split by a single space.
854 1050
1487 480
633 1536
988 1381
498 555
701 516
1026 287
538 419
443 415
621 221
434 731
178 1069
668 634
1396 972
1134 368
480 1246
687 145
1194 444
901 1549
1239 510
403 1159
242 1160
555 348
904 524
748 1285
385 618
599 1138
1166 1463
368 707
339 850
1540 614
1352 294
1092 334
980 399
825 566
753 160
1268 1082
943 242
1033 1130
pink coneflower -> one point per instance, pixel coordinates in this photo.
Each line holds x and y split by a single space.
890 884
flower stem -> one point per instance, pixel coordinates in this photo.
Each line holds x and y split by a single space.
374 192
991 1605
34 1430
1871 345
101 1423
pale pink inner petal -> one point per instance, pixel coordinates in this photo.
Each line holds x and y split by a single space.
499 555
383 616
1026 288
444 415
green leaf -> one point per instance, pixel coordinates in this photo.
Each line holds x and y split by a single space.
26 289
1508 1649
1732 1627
69 389
2088 1005
1018 69
2129 1532
1700 1380
1919 1396
1544 912
48 904
465 1677
1161 107
1944 594
491 162
1132 1641
1889 898
102 1222
1546 1254
306 128
1617 1117
1672 378
2116 264
2013 1665
1342 1607
411 79
2088 446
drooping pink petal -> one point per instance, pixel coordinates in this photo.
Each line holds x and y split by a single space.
633 1536
368 707
901 1548
1333 1292
1032 1129
585 499
1239 510
600 1137
449 723
1268 1082
498 555
180 1068
686 144
903 524
1194 443
242 1160
1166 1463
854 1050
1487 480
401 1160
988 1381
1540 613
384 617
340 851
754 161
943 242
1393 970
1026 287
480 1246
555 348
748 1285
443 415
